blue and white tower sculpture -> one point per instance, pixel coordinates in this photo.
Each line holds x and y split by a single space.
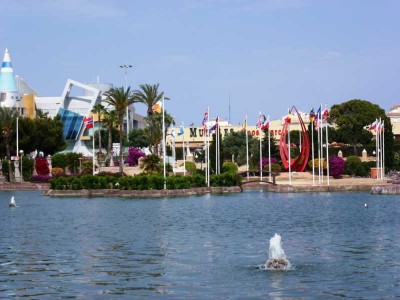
8 88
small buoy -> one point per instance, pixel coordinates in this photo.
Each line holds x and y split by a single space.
365 205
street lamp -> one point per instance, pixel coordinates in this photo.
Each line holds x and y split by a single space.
21 152
126 67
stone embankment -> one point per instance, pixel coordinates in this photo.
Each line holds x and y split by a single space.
24 186
393 189
143 194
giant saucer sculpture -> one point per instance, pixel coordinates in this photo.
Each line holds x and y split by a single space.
299 163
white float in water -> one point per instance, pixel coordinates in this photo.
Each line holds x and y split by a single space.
12 202
277 257
366 205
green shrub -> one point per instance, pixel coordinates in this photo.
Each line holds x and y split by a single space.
28 164
354 166
197 180
6 165
229 167
59 160
191 167
73 160
274 167
225 179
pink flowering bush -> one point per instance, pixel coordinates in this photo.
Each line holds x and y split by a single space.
133 156
336 166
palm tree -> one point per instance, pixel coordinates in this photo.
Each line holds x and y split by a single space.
8 117
155 128
98 109
110 119
149 95
120 99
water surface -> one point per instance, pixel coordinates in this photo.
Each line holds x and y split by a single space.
199 247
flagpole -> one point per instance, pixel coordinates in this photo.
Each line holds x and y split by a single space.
312 152
183 151
383 150
377 150
93 167
247 150
163 142
208 147
327 154
216 153
269 152
321 145
260 148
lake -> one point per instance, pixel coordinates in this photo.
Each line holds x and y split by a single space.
199 247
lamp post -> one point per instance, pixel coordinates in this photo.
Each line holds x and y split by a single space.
21 152
126 67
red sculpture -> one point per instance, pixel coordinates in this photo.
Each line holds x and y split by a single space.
296 164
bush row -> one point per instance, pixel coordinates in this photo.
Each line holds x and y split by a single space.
141 182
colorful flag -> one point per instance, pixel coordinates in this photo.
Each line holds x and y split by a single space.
259 121
325 114
373 125
244 124
312 115
205 119
173 135
88 122
180 130
157 107
265 124
318 117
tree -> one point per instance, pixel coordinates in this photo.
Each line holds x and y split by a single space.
151 164
138 137
213 152
120 99
155 128
352 116
8 118
235 144
98 109
255 149
148 95
110 119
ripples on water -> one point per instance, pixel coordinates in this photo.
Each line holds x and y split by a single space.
199 247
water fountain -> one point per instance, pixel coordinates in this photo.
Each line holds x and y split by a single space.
277 258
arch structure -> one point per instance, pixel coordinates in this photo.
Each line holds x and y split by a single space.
299 163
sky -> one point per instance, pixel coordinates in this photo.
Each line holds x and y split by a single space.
257 55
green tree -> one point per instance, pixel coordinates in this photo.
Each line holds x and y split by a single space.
255 149
110 119
149 95
155 128
8 118
352 116
151 164
120 99
98 109
235 144
213 153
138 137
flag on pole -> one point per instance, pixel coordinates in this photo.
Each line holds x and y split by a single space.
88 122
180 130
173 134
317 119
157 107
265 124
373 125
312 115
259 121
205 119
325 114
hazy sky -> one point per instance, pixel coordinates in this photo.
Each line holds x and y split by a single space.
265 54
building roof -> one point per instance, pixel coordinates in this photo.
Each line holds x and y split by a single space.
7 81
23 88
